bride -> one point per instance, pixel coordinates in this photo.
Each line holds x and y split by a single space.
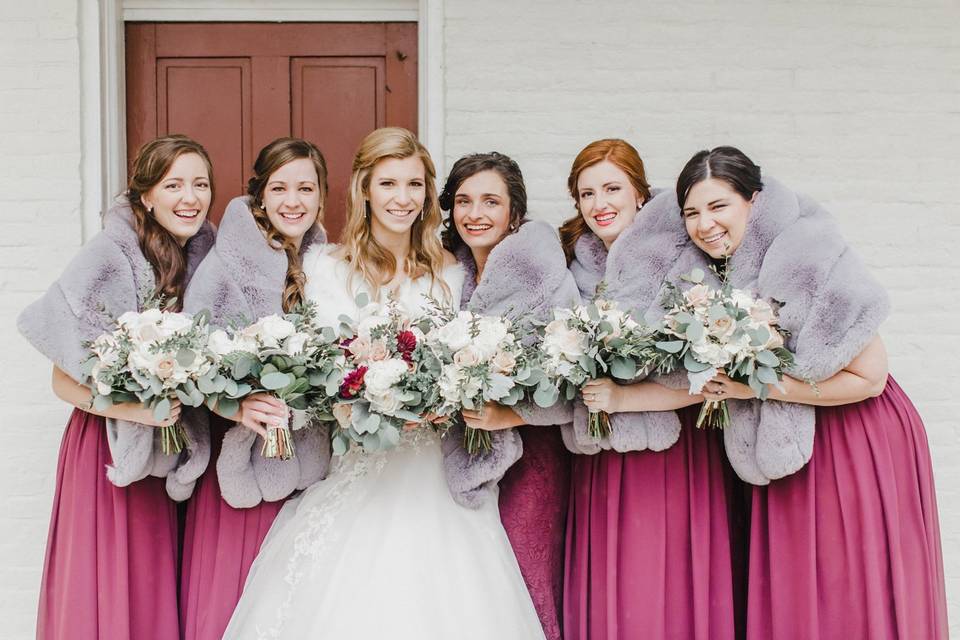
380 548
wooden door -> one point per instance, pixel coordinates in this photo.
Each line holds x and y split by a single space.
236 86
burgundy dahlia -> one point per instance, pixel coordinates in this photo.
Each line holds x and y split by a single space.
352 383
406 343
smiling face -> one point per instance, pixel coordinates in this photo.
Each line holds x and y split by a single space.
397 191
481 211
181 199
716 217
607 200
292 199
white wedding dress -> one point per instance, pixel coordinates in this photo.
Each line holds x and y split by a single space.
379 549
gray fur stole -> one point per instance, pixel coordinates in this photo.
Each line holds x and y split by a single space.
240 281
633 271
525 275
108 277
792 252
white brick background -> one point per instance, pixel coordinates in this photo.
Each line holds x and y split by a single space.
856 104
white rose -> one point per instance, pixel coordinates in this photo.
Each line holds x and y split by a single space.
565 341
175 322
711 353
378 350
386 402
151 316
722 328
383 374
742 299
469 356
492 332
697 295
503 362
276 328
294 344
456 333
103 388
220 343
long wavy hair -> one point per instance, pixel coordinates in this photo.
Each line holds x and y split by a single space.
159 246
623 155
273 156
469 166
365 256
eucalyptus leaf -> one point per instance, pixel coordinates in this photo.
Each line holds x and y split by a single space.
768 358
692 365
274 380
623 368
102 403
185 357
228 406
670 346
767 375
545 395
161 411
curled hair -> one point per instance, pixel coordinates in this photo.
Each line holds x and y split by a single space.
623 155
159 246
365 256
270 159
723 163
469 166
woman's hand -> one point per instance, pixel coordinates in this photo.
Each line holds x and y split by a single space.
721 387
603 394
493 417
428 418
262 410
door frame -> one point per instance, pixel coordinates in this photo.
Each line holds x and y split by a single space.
102 100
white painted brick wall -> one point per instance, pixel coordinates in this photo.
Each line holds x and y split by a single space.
857 104
39 232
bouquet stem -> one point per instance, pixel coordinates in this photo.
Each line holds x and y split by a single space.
278 443
172 439
476 441
599 424
714 414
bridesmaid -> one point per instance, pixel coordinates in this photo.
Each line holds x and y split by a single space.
648 543
516 267
849 545
111 562
253 271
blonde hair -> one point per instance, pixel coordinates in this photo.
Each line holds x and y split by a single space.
360 250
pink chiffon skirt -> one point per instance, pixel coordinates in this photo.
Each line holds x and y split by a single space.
649 543
849 547
220 543
534 495
110 569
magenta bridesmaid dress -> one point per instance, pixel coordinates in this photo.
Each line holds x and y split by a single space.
849 547
534 495
649 542
111 561
219 545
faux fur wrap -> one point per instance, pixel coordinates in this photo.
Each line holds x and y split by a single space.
792 252
240 281
108 277
525 275
633 271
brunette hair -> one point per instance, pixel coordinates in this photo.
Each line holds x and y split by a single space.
469 166
623 155
723 163
361 251
159 246
273 156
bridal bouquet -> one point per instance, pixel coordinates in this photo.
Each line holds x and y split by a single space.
288 356
590 341
706 330
482 360
152 357
390 379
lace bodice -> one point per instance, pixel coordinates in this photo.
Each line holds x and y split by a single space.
329 286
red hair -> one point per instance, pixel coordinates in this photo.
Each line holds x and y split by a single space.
623 155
